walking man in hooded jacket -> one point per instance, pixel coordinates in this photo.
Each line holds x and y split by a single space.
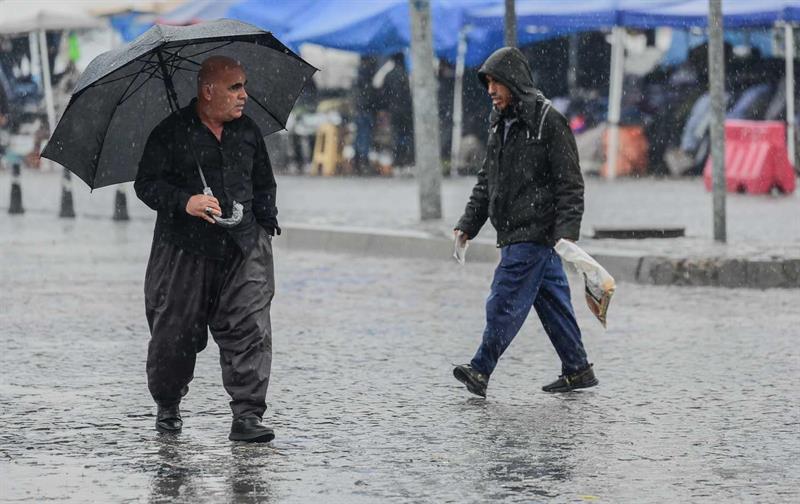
531 188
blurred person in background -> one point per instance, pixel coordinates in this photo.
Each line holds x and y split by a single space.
364 103
395 97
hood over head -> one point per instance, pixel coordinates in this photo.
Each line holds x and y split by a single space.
509 66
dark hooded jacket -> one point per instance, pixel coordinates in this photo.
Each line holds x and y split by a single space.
530 185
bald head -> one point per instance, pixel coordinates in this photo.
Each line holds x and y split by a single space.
221 93
213 67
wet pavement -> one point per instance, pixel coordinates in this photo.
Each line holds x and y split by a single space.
697 399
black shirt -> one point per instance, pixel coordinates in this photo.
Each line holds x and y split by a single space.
236 168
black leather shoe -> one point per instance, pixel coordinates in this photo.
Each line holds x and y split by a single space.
475 381
168 419
582 379
250 429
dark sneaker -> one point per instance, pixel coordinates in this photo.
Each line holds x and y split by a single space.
565 383
475 381
250 429
168 419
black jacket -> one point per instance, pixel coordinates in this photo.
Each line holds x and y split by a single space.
237 168
530 185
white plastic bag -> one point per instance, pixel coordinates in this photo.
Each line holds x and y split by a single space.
600 285
460 247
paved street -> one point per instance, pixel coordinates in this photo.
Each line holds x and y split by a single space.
697 399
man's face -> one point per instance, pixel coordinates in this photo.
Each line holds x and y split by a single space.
501 95
227 95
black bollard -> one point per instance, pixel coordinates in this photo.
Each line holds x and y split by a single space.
67 206
121 205
16 192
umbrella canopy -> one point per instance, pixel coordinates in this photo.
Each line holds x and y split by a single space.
126 92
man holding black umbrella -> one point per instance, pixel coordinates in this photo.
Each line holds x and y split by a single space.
207 271
154 112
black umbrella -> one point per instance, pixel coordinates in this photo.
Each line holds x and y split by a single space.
126 92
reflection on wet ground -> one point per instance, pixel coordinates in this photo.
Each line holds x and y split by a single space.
696 402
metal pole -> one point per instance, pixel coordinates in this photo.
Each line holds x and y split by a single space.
510 24
790 113
67 205
16 191
46 83
615 99
572 71
121 197
716 82
44 59
426 120
120 205
33 49
458 90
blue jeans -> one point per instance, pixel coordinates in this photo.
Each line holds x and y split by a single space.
530 275
365 123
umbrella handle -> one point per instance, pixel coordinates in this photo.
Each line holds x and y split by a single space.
236 215
234 219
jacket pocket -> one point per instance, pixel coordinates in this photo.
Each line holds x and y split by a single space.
531 161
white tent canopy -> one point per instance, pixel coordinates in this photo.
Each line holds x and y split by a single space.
19 17
35 19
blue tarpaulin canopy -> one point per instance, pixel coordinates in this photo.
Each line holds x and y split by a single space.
600 14
694 13
131 24
559 14
278 17
376 27
539 19
366 27
381 26
384 27
199 10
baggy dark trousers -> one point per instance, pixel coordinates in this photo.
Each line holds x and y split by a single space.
188 294
530 275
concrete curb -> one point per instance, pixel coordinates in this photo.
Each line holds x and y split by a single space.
721 272
624 265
